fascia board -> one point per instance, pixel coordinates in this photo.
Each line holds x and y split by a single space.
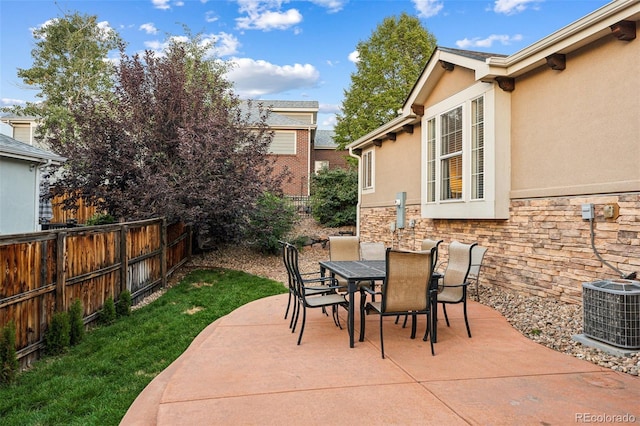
565 40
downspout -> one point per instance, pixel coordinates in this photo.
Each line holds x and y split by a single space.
354 155
309 161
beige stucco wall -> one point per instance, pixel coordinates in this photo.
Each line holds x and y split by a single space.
577 131
397 169
450 83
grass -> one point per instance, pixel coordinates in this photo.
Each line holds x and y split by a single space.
95 382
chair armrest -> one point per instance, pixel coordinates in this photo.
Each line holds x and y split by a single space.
456 285
370 290
320 280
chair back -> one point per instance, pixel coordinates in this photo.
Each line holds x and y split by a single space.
344 248
477 255
372 251
428 244
285 261
458 267
294 270
406 285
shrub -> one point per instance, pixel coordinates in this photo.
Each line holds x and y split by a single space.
100 219
334 197
108 314
271 220
8 358
76 323
58 334
123 308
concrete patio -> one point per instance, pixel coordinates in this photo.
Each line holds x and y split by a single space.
246 369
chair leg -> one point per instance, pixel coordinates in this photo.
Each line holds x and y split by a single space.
428 331
446 318
381 338
363 298
466 321
288 306
294 315
413 325
304 317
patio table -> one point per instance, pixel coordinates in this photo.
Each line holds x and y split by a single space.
355 271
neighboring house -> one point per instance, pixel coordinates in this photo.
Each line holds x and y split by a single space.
21 168
23 128
297 144
506 150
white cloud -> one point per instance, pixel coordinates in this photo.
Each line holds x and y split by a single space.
161 4
11 102
427 8
511 7
210 16
354 56
255 78
505 40
332 5
149 28
266 15
221 44
328 108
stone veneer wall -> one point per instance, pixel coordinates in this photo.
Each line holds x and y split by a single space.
544 249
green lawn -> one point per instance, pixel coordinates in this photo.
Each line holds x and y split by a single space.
95 382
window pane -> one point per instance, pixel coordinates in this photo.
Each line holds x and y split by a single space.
451 154
452 178
451 139
431 160
367 173
477 148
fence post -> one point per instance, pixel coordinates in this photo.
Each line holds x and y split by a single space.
61 272
124 259
163 256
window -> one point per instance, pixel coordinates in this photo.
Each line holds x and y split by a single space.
320 165
367 170
431 160
452 138
283 142
477 148
451 154
466 144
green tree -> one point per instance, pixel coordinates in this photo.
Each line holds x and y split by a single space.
69 64
334 197
388 66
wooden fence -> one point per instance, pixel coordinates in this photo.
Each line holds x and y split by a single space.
44 272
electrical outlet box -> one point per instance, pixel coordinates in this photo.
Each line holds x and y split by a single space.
611 211
588 211
412 223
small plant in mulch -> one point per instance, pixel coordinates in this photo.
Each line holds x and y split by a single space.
8 358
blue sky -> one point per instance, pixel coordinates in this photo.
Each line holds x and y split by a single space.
290 50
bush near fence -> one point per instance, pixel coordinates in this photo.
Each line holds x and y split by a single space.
44 272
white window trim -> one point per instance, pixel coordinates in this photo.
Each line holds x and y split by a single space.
370 189
467 208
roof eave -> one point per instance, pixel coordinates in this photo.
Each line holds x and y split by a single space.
392 126
574 36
